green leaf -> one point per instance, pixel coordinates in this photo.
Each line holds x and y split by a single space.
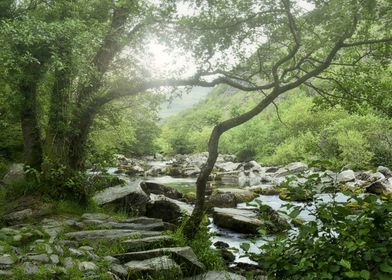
345 263
384 267
364 274
245 246
293 214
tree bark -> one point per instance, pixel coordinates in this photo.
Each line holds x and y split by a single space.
193 223
29 122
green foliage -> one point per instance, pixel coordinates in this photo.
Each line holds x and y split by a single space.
201 245
300 133
348 243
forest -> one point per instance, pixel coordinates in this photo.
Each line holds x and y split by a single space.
275 164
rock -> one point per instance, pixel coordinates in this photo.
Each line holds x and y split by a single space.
111 259
241 195
54 259
191 171
224 200
40 258
75 252
385 171
378 176
6 261
274 223
296 167
147 243
376 188
15 173
183 255
68 262
346 176
119 270
271 169
227 166
239 220
221 245
95 216
264 189
227 256
30 268
155 188
115 225
87 266
18 216
109 234
7 274
142 220
129 197
153 267
167 209
217 275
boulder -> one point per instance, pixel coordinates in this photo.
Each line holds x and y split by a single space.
167 209
153 267
115 225
241 195
239 220
224 200
183 255
147 243
227 166
267 189
346 176
385 171
155 188
18 216
191 171
217 275
375 188
129 197
109 234
292 168
15 173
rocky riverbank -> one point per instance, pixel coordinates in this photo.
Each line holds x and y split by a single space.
98 245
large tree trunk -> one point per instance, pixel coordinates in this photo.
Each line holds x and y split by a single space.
29 121
78 140
193 223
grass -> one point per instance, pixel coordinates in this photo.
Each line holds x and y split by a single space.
201 245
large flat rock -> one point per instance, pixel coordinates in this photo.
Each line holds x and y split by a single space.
241 195
110 234
129 197
153 267
216 275
167 209
147 243
239 220
182 255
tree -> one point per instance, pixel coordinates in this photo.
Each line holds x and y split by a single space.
295 48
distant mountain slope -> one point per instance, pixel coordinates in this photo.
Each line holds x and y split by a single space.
183 102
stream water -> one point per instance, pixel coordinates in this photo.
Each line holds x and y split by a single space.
235 239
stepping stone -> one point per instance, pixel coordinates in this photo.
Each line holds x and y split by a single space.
134 226
129 197
142 220
110 234
95 216
217 275
147 243
182 255
154 267
239 220
167 209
